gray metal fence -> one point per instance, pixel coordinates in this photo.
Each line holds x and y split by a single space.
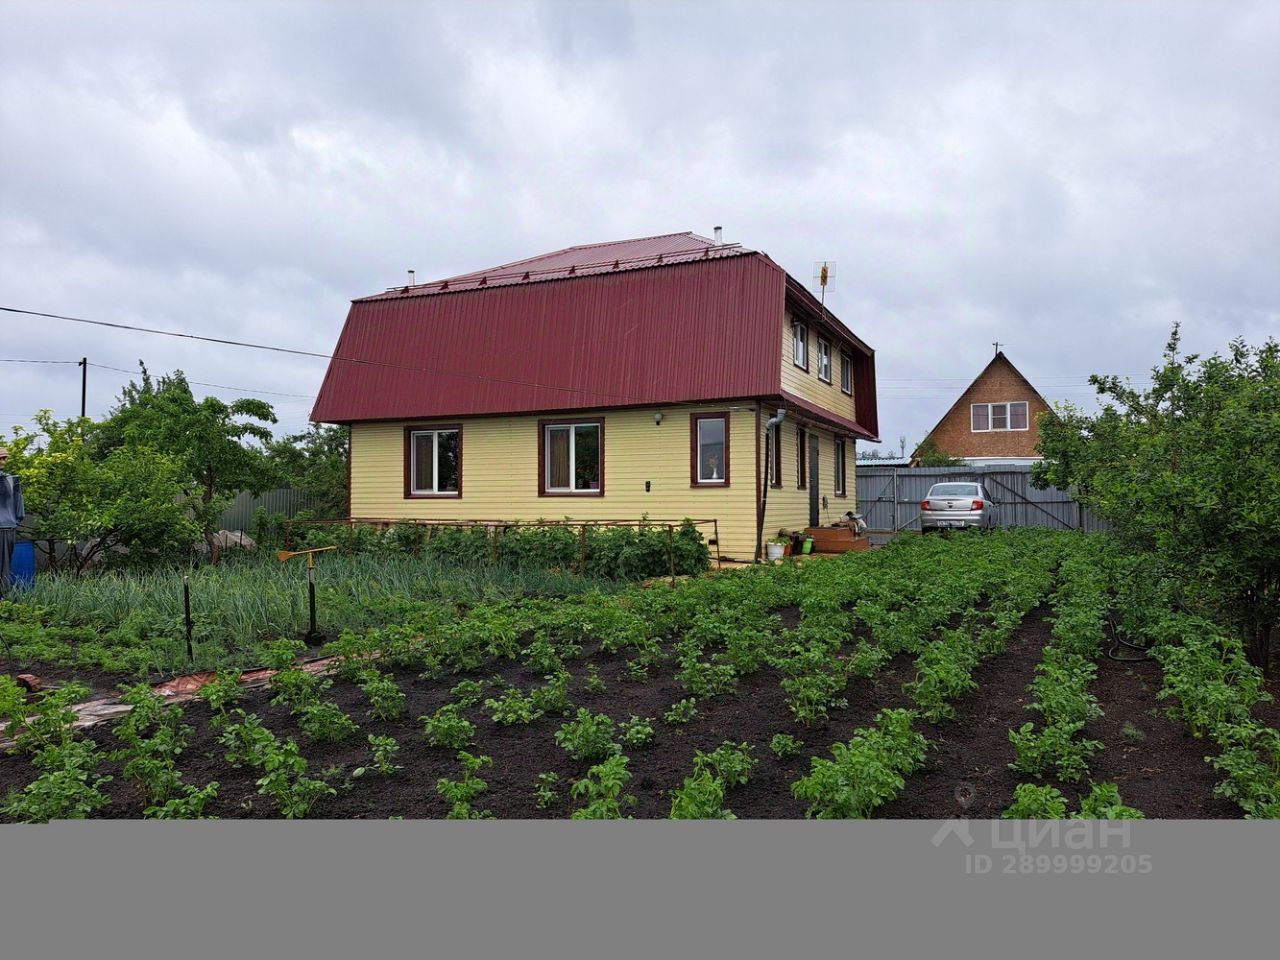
285 500
889 497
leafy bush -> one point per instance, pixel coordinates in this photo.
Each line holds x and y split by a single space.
513 708
326 722
602 790
700 798
1054 746
1103 803
448 728
461 794
731 763
589 737
637 733
785 745
384 750
385 696
1031 802
68 787
867 771
682 711
544 795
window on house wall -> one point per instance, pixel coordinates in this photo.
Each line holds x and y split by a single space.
802 459
800 345
986 417
572 458
1018 415
838 467
775 456
824 360
710 438
846 372
433 462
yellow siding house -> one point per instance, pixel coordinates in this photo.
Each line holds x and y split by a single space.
605 382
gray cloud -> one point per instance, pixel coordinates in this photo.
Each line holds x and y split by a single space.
1065 178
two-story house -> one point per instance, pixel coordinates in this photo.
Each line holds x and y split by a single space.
606 381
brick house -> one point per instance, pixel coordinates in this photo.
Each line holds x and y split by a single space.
994 419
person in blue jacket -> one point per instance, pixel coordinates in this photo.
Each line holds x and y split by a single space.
11 514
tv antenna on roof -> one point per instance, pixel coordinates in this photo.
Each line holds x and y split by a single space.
824 271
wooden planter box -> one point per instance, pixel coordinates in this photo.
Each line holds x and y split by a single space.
836 540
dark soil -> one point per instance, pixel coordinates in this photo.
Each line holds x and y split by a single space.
1164 774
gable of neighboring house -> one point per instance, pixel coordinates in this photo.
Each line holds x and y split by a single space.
994 418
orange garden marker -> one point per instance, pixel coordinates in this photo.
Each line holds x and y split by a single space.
284 555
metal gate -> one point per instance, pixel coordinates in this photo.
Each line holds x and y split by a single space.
889 497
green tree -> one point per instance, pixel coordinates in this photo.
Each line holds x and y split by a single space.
1187 469
211 441
128 499
316 461
930 455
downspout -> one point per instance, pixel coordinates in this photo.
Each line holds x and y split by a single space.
764 482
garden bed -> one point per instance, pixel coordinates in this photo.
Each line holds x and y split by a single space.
917 659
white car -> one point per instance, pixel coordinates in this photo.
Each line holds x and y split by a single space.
955 505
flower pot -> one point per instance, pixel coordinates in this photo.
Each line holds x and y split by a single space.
786 549
773 551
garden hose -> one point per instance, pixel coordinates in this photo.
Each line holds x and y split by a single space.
1118 641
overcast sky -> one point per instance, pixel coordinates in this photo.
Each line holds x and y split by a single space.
1065 178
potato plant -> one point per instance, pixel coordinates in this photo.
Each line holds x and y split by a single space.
588 737
602 790
448 728
865 772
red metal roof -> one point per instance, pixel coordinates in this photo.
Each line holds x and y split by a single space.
580 261
665 319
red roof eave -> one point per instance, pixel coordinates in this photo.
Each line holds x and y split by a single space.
826 416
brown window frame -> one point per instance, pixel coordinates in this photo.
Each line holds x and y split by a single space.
694 420
846 372
542 455
409 431
805 327
802 459
840 461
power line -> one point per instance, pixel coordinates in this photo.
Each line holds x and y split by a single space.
336 359
5 360
202 383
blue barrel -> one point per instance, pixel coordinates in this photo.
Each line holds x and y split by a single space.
23 569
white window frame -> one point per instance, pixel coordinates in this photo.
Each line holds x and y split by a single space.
846 372
573 458
824 359
839 467
434 490
1008 406
800 345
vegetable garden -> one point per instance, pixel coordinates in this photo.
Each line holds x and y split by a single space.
1021 673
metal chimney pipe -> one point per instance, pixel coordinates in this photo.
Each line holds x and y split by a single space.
719 236
413 277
